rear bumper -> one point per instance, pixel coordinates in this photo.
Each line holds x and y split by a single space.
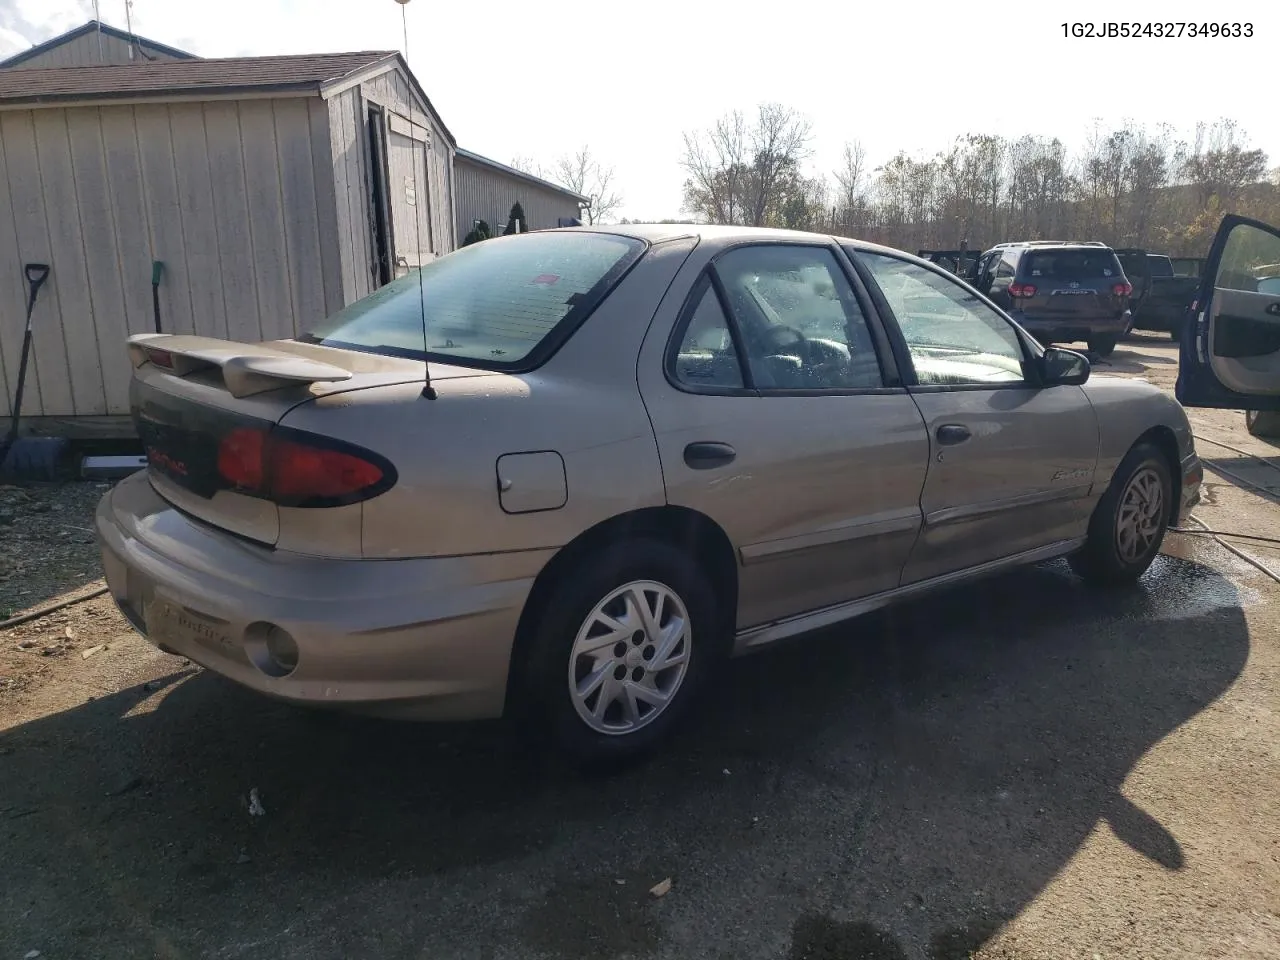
1070 330
422 638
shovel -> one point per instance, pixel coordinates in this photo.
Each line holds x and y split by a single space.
33 458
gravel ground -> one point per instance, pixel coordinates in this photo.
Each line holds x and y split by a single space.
1027 769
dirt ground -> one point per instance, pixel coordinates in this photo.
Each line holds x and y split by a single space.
1025 769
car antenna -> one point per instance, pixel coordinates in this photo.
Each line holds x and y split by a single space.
428 390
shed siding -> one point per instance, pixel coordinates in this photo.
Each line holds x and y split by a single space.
82 51
346 132
392 91
482 193
225 194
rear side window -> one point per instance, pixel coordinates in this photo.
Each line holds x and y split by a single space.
491 304
1160 266
1071 265
706 356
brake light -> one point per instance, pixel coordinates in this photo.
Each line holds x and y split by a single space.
295 469
1022 290
1122 289
161 358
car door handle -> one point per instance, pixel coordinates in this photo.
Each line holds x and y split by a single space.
952 433
708 456
1273 309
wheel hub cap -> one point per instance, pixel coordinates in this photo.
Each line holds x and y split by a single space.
629 657
1142 511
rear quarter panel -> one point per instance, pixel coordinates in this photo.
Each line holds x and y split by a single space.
583 403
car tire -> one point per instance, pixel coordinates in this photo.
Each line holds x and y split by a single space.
1102 346
1129 523
566 658
1262 423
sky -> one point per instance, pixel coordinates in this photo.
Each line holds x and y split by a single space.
541 78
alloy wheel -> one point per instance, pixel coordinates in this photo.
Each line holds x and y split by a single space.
1142 512
630 657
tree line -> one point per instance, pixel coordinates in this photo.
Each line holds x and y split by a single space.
1126 186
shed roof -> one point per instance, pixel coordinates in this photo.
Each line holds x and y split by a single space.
165 77
202 77
518 174
91 27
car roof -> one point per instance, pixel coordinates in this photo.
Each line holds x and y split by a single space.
730 235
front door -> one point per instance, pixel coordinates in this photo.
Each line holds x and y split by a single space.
1232 358
774 417
1011 463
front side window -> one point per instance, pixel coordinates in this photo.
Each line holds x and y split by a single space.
952 336
800 323
490 304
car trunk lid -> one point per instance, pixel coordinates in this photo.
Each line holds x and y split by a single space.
193 397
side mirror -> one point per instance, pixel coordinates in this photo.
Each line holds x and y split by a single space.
1059 367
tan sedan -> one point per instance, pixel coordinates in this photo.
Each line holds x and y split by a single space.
630 452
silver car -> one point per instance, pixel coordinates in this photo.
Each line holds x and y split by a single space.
632 451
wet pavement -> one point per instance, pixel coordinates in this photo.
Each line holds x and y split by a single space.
1024 768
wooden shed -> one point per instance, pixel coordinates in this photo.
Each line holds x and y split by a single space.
486 190
274 190
91 44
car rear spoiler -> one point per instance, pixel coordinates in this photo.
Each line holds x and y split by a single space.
247 368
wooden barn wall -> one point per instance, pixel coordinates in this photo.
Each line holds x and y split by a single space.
483 193
237 198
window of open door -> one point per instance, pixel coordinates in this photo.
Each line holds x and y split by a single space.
1232 358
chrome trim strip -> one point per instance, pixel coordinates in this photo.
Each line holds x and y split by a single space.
971 510
756 637
875 525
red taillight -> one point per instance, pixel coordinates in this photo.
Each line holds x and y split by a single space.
292 469
300 472
1022 290
161 358
1122 289
242 459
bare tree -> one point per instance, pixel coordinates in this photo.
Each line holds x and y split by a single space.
851 189
583 174
747 174
528 165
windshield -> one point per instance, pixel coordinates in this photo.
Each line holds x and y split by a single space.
1073 265
491 304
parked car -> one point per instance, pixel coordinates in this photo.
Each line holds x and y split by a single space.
1160 298
1060 292
1231 356
642 449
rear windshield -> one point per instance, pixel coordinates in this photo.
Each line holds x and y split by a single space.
489 304
1072 265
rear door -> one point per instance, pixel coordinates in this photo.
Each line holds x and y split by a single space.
1232 358
763 378
1073 283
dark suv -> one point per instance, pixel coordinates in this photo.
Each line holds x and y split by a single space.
1060 292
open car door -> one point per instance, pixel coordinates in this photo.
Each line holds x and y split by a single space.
1231 358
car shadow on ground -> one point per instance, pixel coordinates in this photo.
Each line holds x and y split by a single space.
899 787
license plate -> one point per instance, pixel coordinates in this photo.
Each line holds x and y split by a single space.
170 621
1073 293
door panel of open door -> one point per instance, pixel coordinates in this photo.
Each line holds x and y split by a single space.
1232 358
